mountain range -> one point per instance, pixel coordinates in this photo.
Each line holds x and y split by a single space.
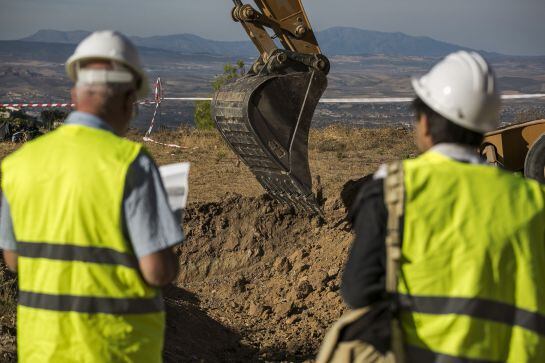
333 41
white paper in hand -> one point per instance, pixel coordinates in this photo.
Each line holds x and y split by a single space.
176 181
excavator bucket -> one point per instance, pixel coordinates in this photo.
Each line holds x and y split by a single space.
265 119
265 116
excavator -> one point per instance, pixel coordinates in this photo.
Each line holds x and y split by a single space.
518 147
265 116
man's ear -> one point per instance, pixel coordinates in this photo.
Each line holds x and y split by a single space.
425 124
129 100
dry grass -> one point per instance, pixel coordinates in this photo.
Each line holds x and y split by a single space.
214 167
336 154
8 307
358 152
8 292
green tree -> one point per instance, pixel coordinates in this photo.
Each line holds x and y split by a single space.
203 112
203 115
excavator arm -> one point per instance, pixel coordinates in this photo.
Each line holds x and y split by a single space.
286 18
288 22
265 116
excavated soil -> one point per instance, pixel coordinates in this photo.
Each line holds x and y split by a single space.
258 281
266 270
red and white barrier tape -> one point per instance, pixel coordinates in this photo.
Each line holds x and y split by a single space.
58 105
408 99
524 96
367 99
147 139
158 96
25 105
187 99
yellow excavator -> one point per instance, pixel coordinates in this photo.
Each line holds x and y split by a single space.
519 147
265 116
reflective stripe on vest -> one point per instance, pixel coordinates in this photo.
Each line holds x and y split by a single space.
476 308
76 253
81 295
92 305
473 251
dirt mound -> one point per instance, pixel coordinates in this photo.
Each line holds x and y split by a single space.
192 335
266 272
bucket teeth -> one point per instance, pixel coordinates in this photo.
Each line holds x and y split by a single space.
266 120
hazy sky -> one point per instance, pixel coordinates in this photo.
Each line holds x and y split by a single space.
506 26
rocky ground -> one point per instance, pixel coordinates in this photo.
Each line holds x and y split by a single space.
258 281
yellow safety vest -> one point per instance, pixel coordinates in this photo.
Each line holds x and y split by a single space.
473 263
81 296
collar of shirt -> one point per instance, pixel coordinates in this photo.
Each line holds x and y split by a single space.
459 152
89 120
462 153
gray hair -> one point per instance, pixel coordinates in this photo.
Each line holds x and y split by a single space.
105 96
106 88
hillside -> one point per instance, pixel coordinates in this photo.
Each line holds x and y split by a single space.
352 41
57 36
59 52
34 71
334 41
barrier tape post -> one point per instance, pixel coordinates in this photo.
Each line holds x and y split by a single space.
158 97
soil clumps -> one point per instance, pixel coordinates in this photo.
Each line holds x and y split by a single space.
266 271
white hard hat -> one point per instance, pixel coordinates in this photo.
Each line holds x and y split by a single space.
462 88
109 45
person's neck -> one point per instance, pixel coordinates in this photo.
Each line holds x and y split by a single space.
110 119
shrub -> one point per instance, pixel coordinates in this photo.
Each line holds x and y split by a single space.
203 114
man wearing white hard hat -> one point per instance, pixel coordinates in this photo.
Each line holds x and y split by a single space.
452 248
85 221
